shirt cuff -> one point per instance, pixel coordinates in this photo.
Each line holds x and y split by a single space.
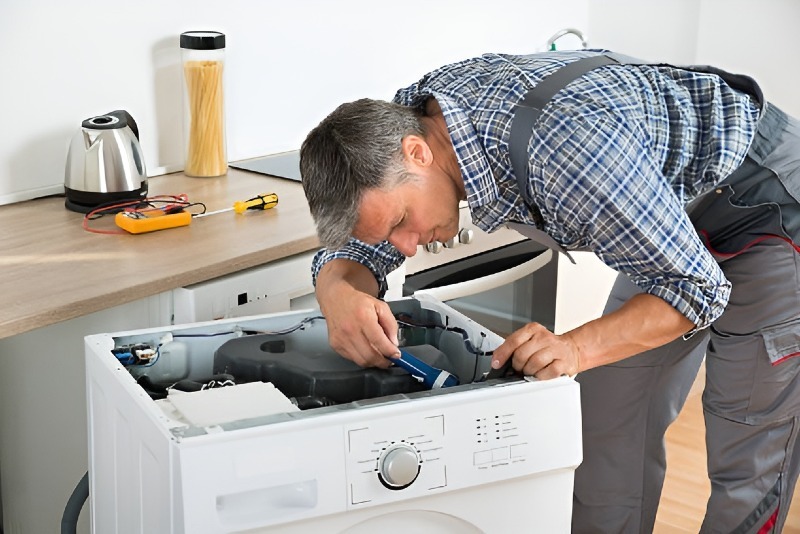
701 303
380 259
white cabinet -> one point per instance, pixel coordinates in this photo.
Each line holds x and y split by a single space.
43 443
278 286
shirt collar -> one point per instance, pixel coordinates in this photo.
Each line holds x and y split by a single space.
479 182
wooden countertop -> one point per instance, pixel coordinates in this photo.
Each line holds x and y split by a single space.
54 270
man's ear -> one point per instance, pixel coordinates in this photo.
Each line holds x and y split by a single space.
417 151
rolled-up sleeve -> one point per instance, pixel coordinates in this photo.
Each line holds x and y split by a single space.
602 185
380 259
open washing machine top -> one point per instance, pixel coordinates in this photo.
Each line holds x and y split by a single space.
234 374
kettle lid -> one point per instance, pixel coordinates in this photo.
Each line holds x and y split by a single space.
112 121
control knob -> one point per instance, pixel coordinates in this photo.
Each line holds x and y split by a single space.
465 235
434 246
398 466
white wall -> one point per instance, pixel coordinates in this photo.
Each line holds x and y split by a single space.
289 63
754 37
658 30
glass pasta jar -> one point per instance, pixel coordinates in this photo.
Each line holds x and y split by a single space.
203 55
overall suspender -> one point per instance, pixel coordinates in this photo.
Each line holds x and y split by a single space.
531 106
534 101
525 116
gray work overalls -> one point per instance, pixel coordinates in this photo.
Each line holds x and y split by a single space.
751 224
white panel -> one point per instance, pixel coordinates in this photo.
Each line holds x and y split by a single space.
270 288
129 451
583 290
755 38
664 30
758 38
288 64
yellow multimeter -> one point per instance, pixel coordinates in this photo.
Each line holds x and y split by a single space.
140 222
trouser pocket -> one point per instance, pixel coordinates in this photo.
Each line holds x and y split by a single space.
753 378
782 342
778 393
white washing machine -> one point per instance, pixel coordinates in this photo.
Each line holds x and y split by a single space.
346 451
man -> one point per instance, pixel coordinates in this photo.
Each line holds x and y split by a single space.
683 180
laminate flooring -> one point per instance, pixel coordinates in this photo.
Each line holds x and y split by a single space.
686 487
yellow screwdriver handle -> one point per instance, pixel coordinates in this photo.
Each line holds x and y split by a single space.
261 202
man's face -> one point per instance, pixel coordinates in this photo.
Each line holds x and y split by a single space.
417 212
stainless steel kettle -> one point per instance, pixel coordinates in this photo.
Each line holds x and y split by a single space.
105 163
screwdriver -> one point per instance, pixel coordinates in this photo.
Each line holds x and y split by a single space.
432 377
260 202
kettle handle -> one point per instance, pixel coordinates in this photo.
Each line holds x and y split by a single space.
126 118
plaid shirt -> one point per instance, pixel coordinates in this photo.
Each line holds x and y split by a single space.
614 158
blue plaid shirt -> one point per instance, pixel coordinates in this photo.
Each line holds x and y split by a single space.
614 158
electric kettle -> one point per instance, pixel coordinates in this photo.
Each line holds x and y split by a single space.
105 163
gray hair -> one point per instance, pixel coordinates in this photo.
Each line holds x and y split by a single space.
355 148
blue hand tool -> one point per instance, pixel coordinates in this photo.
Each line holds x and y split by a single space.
432 377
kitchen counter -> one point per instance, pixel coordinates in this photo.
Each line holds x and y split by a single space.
54 270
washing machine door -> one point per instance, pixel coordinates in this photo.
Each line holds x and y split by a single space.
407 521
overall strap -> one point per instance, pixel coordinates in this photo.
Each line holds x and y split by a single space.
525 116
535 100
530 108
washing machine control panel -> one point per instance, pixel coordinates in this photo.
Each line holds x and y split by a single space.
401 454
412 449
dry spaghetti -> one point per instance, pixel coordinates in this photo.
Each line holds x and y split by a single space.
205 155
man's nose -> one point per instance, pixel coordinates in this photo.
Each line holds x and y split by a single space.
405 242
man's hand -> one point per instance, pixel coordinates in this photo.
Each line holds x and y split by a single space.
361 327
535 351
642 323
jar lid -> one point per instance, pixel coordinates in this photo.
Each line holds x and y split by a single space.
203 40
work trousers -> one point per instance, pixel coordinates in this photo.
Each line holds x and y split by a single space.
751 400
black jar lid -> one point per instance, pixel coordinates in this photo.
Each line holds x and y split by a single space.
203 40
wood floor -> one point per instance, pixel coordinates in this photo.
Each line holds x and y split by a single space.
686 487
